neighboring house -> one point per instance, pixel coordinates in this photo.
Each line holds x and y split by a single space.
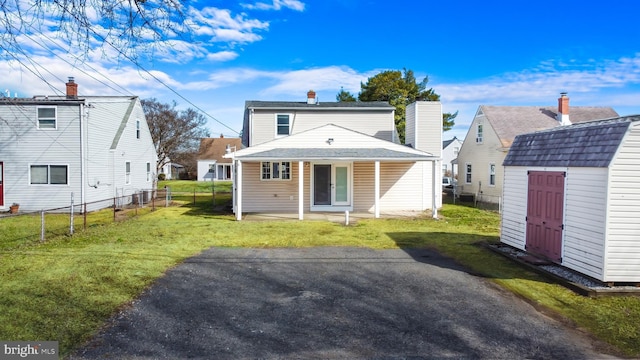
212 165
337 156
572 195
94 147
172 170
492 132
450 150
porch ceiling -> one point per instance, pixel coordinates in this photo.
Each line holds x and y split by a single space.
308 154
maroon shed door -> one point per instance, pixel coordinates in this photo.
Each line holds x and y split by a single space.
545 203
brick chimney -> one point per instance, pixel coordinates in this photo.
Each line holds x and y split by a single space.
563 109
311 97
221 136
72 89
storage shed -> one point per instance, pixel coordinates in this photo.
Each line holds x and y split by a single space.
572 194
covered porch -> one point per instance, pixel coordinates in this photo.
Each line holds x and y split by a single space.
365 183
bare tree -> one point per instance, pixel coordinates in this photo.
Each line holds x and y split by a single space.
124 25
176 134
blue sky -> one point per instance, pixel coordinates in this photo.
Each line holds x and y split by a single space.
474 53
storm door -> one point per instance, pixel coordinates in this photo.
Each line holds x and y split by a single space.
545 209
332 186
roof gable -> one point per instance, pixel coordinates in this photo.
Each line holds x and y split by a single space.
329 141
510 121
588 144
342 105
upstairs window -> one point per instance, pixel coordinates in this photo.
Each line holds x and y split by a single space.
137 129
148 172
479 134
276 170
47 117
283 125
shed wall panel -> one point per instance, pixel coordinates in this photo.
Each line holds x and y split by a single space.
585 204
623 226
514 208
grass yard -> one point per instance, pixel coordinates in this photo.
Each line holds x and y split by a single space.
66 288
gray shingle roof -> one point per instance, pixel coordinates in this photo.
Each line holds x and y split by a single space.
301 154
318 106
588 144
510 121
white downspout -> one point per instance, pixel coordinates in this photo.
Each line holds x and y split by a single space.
83 175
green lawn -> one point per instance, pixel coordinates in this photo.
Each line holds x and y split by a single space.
66 288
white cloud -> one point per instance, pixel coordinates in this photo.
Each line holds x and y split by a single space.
222 56
276 5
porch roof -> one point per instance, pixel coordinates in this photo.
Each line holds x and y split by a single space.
356 154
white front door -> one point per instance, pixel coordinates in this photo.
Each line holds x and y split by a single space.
331 189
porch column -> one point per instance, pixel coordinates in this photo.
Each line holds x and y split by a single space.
434 184
239 191
300 190
376 190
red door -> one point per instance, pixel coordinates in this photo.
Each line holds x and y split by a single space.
545 203
1 186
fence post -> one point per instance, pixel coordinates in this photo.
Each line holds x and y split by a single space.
213 190
194 196
42 225
84 220
114 209
71 217
153 200
167 195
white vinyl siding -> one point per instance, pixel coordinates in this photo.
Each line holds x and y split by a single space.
398 184
480 155
623 221
585 211
272 196
514 207
379 124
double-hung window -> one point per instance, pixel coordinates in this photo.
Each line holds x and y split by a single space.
148 171
49 175
479 133
47 118
492 174
283 124
275 170
137 129
467 173
127 172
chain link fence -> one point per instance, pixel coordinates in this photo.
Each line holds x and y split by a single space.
20 228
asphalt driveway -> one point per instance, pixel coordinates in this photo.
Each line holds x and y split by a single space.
330 303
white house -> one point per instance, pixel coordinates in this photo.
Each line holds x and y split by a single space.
492 132
94 147
308 156
212 165
572 195
450 150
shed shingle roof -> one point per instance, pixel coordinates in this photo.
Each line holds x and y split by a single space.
510 121
588 144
